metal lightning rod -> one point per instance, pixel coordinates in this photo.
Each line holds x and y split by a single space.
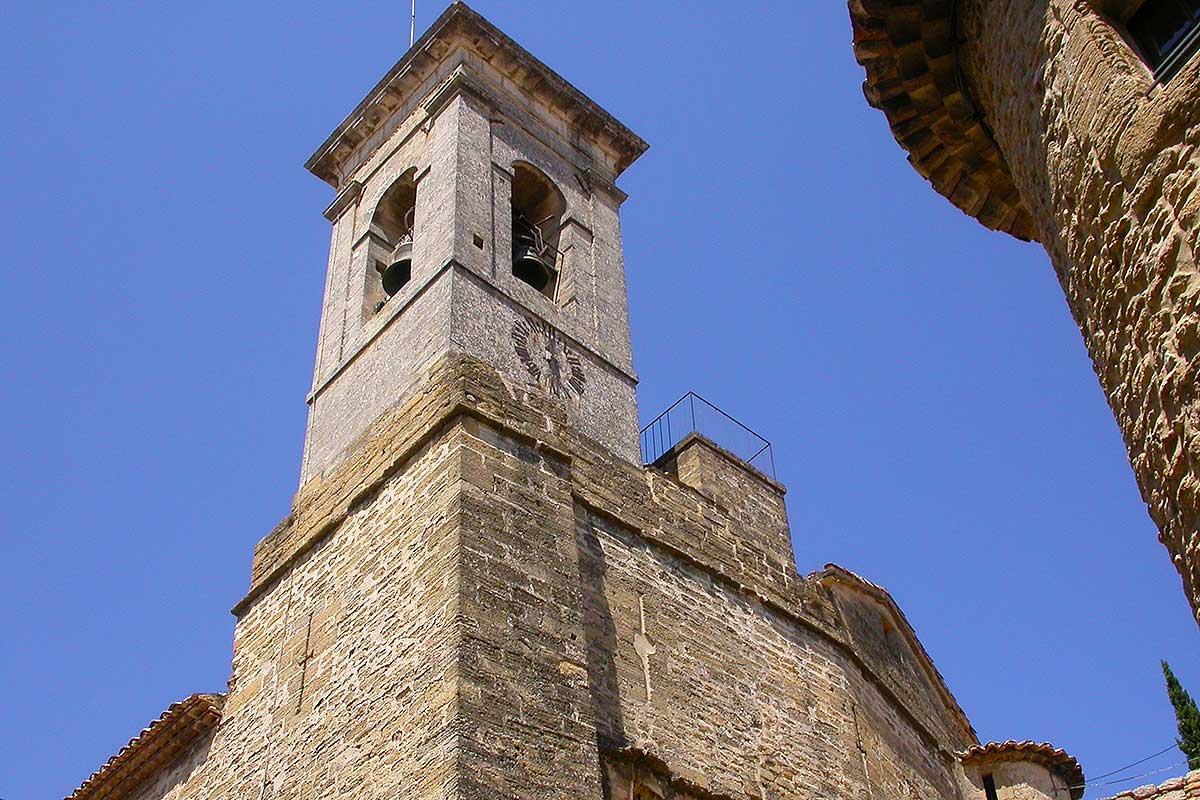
412 25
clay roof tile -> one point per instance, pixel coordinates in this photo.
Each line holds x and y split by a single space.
156 746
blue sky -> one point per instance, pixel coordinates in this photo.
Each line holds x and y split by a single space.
933 410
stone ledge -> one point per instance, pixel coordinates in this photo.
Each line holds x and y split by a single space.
908 51
460 22
396 306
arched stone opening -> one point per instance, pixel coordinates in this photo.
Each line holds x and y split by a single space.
392 231
537 213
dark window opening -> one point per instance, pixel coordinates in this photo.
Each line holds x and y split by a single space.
989 788
391 242
1167 32
537 210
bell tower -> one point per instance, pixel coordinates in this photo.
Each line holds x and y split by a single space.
475 214
479 591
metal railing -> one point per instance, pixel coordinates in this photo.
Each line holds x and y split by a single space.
693 414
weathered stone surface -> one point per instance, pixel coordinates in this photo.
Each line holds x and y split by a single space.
1104 158
480 592
483 601
458 116
1184 788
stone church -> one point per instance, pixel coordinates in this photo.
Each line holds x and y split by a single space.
481 591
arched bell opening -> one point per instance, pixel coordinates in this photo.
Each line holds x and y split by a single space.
392 229
537 211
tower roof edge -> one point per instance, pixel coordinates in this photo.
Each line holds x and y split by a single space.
909 52
488 41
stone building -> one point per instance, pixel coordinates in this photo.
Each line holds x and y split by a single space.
481 591
1075 123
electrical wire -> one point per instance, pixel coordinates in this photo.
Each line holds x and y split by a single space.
1131 777
1171 746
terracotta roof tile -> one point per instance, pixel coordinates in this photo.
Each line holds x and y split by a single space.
1046 754
908 51
160 743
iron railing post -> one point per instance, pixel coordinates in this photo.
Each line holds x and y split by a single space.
658 437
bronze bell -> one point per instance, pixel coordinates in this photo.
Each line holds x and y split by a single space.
530 266
398 273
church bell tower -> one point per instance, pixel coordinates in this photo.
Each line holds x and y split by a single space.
475 214
480 591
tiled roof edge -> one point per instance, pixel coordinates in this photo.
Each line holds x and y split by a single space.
1189 784
158 744
909 52
1044 753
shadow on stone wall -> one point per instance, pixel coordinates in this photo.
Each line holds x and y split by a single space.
601 634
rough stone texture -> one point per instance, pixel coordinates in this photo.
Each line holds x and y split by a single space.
460 128
1184 788
754 499
480 592
474 603
481 601
1105 159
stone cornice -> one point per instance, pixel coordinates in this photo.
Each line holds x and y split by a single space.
909 51
348 194
388 316
837 574
459 23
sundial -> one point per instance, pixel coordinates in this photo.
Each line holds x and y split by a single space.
548 358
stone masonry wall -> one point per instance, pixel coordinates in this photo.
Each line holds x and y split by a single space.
745 495
461 141
732 697
344 669
528 719
1106 159
880 642
482 603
